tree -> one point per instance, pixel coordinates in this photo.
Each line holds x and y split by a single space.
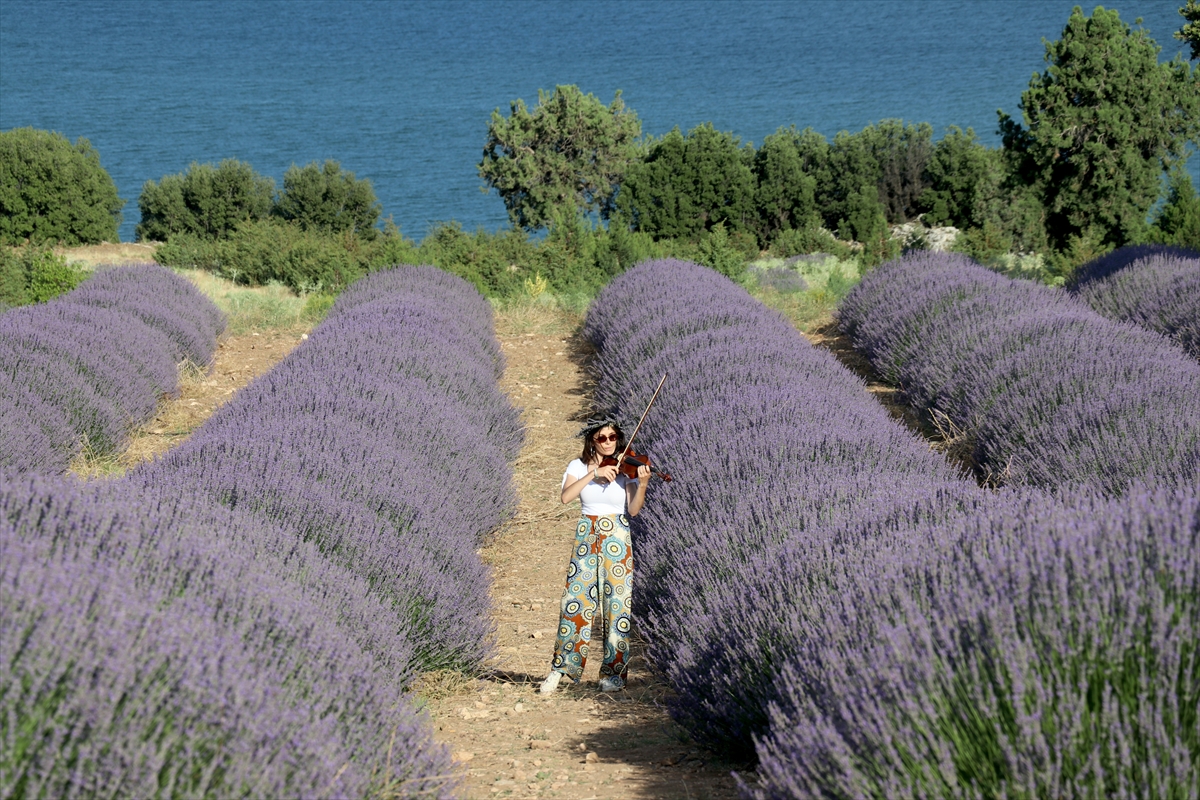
326 198
785 197
686 186
569 154
891 156
207 201
1102 125
53 191
1190 32
1178 221
959 173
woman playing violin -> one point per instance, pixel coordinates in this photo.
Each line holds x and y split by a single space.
600 575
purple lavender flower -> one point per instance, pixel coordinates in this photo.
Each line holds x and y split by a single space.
769 440
1036 646
91 365
151 640
1050 393
1159 292
385 441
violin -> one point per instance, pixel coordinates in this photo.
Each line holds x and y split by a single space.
630 463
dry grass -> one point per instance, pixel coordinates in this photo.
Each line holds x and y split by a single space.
259 307
90 256
443 683
957 444
544 315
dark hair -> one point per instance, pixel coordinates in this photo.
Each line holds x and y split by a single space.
589 447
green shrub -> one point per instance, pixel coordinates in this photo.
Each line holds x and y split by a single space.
727 253
984 244
317 305
323 197
568 155
785 197
866 224
799 242
686 185
259 252
33 274
1098 130
53 191
14 287
961 172
1178 221
575 258
495 263
207 202
890 157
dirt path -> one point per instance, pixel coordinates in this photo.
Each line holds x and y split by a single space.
578 743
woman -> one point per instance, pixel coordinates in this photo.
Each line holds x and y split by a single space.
600 576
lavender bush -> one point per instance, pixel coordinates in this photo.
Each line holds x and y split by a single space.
1100 268
1159 291
154 645
91 365
1036 647
383 440
815 582
770 441
161 299
1050 393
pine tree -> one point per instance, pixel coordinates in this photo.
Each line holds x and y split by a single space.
567 156
1103 124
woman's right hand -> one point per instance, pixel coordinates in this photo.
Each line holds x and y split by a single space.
608 473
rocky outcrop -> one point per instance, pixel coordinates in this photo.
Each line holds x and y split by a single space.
916 235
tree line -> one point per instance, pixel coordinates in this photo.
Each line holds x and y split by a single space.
1095 161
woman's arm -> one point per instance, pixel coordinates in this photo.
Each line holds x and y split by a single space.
636 498
571 490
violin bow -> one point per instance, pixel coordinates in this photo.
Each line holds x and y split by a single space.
629 444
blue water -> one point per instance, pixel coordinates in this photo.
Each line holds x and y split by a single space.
401 92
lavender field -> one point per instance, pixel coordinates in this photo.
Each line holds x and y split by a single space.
86 368
244 617
1048 392
838 607
1153 286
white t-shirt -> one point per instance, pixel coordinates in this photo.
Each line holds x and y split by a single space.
597 499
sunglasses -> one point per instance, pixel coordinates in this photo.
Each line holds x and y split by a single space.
603 438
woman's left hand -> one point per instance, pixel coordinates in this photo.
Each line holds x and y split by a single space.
643 474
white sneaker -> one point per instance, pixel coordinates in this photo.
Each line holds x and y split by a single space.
613 683
551 682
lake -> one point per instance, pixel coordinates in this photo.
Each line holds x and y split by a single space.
401 92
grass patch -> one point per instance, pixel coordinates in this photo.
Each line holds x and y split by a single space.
826 280
92 463
542 313
439 684
260 307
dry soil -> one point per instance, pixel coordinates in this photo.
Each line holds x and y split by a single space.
508 740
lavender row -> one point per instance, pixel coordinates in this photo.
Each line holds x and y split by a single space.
244 616
1034 646
385 441
1157 288
770 441
154 644
86 368
1050 393
913 637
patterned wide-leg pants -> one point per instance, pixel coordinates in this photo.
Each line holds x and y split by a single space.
599 579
